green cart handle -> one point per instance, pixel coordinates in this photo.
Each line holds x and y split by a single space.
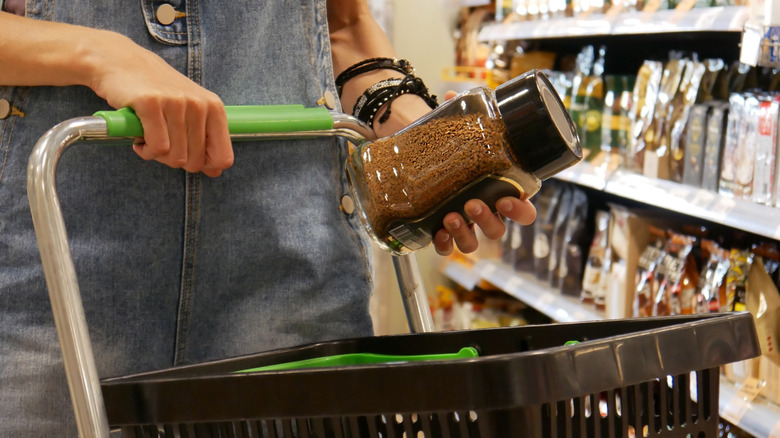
244 119
363 359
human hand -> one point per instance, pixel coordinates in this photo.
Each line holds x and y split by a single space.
185 125
458 231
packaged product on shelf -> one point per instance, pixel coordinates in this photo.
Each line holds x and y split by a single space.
694 145
598 258
523 247
523 61
623 235
745 155
643 99
579 88
681 106
558 237
572 260
656 160
736 280
766 150
741 77
676 294
770 256
763 301
728 161
714 83
649 263
507 255
524 243
593 107
769 373
615 123
712 284
714 145
544 225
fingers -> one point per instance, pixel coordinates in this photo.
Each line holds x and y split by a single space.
189 133
521 211
462 232
458 232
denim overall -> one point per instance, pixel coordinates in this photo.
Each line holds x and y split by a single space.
178 268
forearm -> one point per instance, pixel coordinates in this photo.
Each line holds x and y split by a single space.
44 53
355 36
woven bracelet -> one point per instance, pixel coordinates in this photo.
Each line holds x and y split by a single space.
367 65
385 92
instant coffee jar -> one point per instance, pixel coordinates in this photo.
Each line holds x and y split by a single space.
481 144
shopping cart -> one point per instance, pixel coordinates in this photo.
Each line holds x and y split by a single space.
622 378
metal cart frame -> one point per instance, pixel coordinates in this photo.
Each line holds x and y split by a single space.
60 273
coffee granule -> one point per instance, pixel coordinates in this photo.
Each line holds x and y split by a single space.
408 174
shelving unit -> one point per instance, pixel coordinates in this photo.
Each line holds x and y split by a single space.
758 417
668 195
720 19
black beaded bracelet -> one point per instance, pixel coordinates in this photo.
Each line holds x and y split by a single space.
385 92
367 65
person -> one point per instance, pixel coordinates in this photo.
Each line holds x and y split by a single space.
187 248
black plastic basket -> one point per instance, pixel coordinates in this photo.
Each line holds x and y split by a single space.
643 377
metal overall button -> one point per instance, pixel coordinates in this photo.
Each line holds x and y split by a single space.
347 204
327 99
166 14
5 109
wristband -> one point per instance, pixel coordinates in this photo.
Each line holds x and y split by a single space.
385 92
367 65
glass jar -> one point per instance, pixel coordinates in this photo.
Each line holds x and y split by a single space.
481 144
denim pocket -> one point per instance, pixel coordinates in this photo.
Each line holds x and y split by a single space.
166 21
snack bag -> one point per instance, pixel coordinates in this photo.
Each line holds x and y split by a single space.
649 262
676 294
643 100
763 301
598 256
572 260
736 280
712 278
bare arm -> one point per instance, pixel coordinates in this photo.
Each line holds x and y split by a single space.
355 36
124 74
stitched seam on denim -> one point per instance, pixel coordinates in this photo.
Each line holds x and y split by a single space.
192 197
21 96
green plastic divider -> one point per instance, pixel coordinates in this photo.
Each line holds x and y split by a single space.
244 119
363 359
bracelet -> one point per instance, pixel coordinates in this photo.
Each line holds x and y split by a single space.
385 92
367 65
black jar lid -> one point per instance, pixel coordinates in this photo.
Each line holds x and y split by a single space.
540 130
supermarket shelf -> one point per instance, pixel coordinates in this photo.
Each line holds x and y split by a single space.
718 19
704 204
758 417
747 216
534 293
